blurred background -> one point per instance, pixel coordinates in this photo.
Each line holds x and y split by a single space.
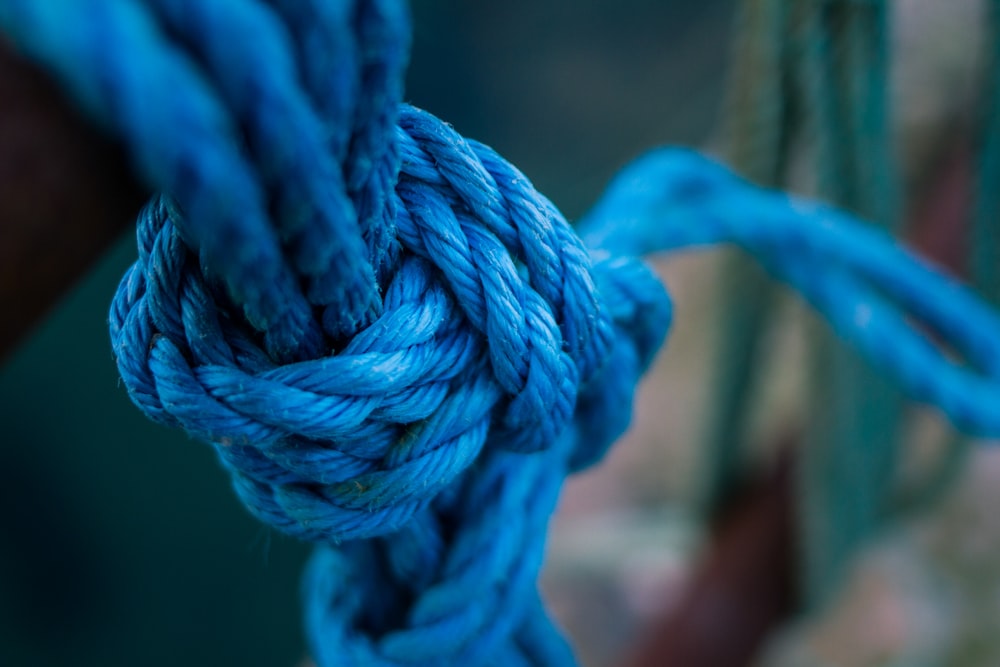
123 543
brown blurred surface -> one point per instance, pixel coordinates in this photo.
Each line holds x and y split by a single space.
65 194
742 589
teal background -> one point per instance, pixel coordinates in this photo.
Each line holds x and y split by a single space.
122 543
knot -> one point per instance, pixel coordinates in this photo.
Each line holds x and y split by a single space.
489 325
381 327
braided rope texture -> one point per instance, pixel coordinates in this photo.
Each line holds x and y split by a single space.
398 348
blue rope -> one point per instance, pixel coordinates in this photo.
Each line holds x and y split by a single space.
398 348
883 300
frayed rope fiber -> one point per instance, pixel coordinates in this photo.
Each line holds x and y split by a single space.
398 348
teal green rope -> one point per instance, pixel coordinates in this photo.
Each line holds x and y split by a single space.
821 66
851 449
985 238
761 124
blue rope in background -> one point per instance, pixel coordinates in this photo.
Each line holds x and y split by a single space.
398 348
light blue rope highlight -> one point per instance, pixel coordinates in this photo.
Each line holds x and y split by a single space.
872 291
398 348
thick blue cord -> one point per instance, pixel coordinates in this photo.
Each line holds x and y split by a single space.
877 296
400 349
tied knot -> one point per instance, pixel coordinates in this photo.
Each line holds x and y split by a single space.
382 328
492 328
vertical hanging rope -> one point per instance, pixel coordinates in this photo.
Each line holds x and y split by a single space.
984 242
851 450
759 125
822 66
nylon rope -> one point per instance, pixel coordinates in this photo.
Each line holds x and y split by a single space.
396 346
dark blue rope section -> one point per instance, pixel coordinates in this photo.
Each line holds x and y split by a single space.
400 349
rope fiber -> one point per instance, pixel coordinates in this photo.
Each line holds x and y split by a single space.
398 348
